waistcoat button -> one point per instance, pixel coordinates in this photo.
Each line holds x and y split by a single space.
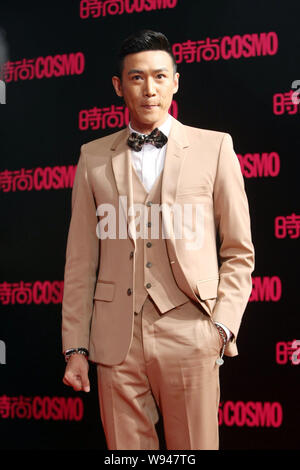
149 244
148 285
149 264
129 291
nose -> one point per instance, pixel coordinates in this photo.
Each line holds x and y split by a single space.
149 87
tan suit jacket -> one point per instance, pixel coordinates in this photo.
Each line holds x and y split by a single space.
201 168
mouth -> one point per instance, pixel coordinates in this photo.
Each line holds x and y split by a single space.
150 106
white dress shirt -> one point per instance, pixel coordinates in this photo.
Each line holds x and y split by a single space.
149 163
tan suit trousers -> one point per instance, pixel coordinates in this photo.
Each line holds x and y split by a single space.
171 365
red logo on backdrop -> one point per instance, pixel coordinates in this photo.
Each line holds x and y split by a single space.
266 289
111 117
288 351
283 103
57 177
256 165
43 67
102 118
96 9
235 47
251 414
287 226
38 292
55 408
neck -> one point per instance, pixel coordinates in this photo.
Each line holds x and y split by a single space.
144 128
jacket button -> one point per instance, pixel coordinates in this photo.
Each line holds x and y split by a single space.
149 264
149 203
148 285
149 244
131 255
149 224
129 291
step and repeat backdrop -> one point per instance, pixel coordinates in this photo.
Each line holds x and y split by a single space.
239 73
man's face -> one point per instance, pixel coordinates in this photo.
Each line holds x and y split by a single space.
148 84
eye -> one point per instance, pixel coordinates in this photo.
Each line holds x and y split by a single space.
160 75
134 77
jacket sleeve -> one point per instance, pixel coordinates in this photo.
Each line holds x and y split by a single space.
82 259
236 251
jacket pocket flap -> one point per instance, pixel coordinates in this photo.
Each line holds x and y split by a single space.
208 289
104 291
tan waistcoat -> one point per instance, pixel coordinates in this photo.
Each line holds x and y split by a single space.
153 273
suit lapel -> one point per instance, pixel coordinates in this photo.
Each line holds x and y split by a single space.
175 156
121 165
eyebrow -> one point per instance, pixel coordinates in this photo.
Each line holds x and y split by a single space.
162 69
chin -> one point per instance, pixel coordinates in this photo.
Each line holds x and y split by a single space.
154 117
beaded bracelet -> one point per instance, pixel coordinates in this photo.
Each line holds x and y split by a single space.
222 333
69 352
220 359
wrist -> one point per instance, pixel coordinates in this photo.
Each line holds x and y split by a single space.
229 334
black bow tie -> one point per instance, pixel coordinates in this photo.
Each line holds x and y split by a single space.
157 138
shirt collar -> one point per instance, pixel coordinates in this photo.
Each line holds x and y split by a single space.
165 127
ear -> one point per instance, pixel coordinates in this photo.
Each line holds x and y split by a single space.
176 82
117 85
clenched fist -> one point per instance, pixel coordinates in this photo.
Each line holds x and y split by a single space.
76 373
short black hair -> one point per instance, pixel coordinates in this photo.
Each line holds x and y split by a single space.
143 40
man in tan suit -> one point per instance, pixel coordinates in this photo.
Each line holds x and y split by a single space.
158 263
